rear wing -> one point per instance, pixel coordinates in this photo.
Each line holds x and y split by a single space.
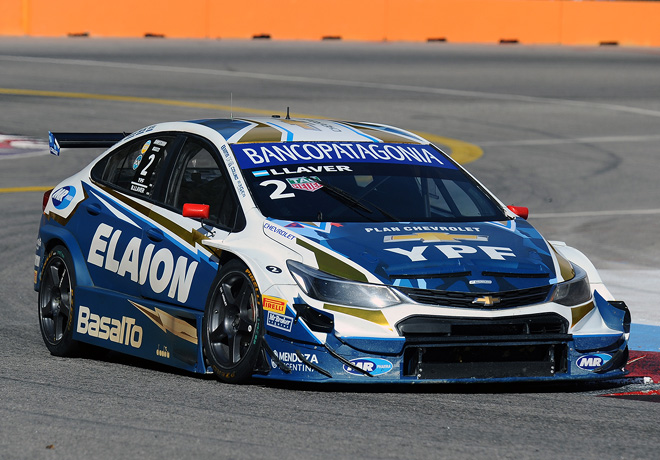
57 141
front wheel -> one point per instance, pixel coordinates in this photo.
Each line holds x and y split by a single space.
56 306
233 323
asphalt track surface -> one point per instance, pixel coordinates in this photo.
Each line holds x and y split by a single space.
572 133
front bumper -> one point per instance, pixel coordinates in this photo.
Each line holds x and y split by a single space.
434 349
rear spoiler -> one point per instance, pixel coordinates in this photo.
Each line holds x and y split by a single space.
56 141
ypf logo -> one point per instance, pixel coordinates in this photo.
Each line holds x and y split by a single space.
591 362
62 197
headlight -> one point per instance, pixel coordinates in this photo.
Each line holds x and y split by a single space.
332 289
575 291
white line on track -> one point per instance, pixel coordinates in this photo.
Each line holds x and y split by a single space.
333 82
577 140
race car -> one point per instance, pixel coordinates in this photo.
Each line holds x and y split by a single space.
311 250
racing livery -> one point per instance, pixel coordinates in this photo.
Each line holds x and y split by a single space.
312 250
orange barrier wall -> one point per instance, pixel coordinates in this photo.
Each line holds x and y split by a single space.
463 21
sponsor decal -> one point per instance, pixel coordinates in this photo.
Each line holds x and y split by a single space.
140 131
280 154
592 361
137 162
292 360
434 237
480 282
261 173
279 231
162 351
420 228
168 323
145 147
309 184
160 142
453 251
63 196
274 304
231 165
123 331
158 268
324 227
375 366
278 321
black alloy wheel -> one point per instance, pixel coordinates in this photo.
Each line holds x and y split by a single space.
56 306
232 326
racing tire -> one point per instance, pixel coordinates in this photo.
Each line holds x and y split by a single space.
232 327
56 303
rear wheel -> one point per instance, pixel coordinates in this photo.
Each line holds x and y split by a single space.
232 325
56 307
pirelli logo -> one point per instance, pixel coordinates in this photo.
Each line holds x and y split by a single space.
274 304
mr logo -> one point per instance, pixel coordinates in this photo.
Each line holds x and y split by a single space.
375 366
591 362
62 196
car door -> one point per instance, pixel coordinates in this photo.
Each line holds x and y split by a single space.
182 269
116 210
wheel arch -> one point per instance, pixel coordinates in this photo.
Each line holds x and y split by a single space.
53 236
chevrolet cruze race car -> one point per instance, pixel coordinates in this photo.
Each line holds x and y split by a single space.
309 250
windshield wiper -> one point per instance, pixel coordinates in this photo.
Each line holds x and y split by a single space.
351 200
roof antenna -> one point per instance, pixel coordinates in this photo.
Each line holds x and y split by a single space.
288 117
231 105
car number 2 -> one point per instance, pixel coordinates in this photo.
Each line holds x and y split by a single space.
280 187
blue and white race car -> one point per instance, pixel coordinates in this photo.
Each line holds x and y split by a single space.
312 250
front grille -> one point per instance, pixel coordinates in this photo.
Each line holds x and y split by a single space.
486 361
464 348
434 329
507 299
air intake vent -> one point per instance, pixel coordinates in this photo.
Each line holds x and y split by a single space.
430 328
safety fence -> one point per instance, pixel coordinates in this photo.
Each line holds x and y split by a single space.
458 21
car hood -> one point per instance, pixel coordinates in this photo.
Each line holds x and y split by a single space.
462 257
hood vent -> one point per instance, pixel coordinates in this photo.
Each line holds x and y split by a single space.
516 275
430 276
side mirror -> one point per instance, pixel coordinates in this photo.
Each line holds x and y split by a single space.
520 211
196 211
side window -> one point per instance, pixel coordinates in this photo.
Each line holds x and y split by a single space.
135 166
198 178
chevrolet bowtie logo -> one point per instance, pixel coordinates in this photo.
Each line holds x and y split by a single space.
487 300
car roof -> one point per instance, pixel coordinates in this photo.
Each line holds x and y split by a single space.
276 129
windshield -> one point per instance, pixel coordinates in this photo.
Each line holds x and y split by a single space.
361 182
